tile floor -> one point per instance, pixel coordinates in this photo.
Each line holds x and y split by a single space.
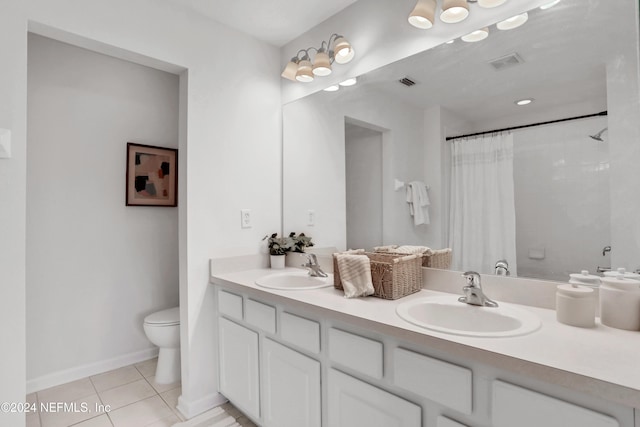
133 397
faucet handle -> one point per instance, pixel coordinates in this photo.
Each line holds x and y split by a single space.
473 278
313 260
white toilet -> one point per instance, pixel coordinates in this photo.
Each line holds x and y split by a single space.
163 330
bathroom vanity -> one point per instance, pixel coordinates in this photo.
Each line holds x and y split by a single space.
313 358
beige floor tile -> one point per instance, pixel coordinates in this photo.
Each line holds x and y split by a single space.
80 410
165 422
33 419
67 392
141 413
101 421
148 367
171 397
116 378
123 395
161 388
232 410
245 422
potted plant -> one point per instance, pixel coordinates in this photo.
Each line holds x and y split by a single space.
278 248
300 242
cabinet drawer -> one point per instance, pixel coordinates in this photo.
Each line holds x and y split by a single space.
439 381
514 405
361 354
301 332
446 422
230 304
260 315
354 403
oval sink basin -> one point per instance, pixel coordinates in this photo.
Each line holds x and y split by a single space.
294 280
446 314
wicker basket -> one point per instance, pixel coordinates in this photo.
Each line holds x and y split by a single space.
439 258
394 276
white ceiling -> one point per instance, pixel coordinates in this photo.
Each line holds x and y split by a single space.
275 21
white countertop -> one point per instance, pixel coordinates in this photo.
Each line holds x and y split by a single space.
601 361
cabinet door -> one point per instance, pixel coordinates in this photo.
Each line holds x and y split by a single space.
239 366
291 387
354 403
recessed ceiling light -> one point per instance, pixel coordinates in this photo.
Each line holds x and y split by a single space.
450 41
513 22
549 5
477 35
349 82
526 101
332 88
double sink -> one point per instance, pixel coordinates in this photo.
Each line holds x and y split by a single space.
443 314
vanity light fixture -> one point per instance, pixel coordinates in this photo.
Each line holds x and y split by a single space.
526 101
349 82
423 15
477 35
549 5
332 88
302 69
513 22
454 11
491 3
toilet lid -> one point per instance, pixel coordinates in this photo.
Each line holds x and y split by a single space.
168 317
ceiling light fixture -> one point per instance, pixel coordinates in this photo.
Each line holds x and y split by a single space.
349 82
332 88
477 35
526 101
549 5
423 15
301 68
513 22
454 11
491 3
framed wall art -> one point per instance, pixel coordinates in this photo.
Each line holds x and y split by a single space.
152 175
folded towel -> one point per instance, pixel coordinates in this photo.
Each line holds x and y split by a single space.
408 249
387 248
355 274
418 200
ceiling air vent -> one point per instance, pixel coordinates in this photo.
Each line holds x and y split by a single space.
506 61
407 81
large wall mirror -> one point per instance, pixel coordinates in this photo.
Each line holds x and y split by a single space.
552 199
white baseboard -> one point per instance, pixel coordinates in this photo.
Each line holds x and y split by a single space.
197 407
62 377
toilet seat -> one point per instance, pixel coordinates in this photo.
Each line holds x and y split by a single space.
168 317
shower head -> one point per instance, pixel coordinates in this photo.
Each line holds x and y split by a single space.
598 136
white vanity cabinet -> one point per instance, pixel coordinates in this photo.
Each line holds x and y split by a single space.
239 366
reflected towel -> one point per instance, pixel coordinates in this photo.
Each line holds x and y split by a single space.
355 275
418 200
408 249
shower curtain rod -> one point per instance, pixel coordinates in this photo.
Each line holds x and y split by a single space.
602 113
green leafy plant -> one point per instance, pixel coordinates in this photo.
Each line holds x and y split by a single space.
278 245
300 242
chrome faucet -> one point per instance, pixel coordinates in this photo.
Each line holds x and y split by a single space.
314 267
502 268
473 291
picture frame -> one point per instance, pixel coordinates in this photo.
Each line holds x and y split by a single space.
152 175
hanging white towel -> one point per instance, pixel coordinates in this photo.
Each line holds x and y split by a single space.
418 200
355 275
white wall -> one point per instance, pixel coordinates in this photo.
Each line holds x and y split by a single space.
363 168
95 267
314 163
233 126
561 185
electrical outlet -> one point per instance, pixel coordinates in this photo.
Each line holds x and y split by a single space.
311 218
245 218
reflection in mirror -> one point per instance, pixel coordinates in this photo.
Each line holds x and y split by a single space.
547 199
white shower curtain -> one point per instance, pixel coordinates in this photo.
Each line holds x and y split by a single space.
482 228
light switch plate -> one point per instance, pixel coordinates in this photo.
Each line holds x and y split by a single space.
5 144
245 218
311 218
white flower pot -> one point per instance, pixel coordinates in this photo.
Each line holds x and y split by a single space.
277 261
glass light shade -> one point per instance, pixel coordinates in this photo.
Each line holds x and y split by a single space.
304 73
349 82
343 51
454 11
513 22
491 3
477 35
524 101
423 14
290 71
332 88
322 65
549 5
